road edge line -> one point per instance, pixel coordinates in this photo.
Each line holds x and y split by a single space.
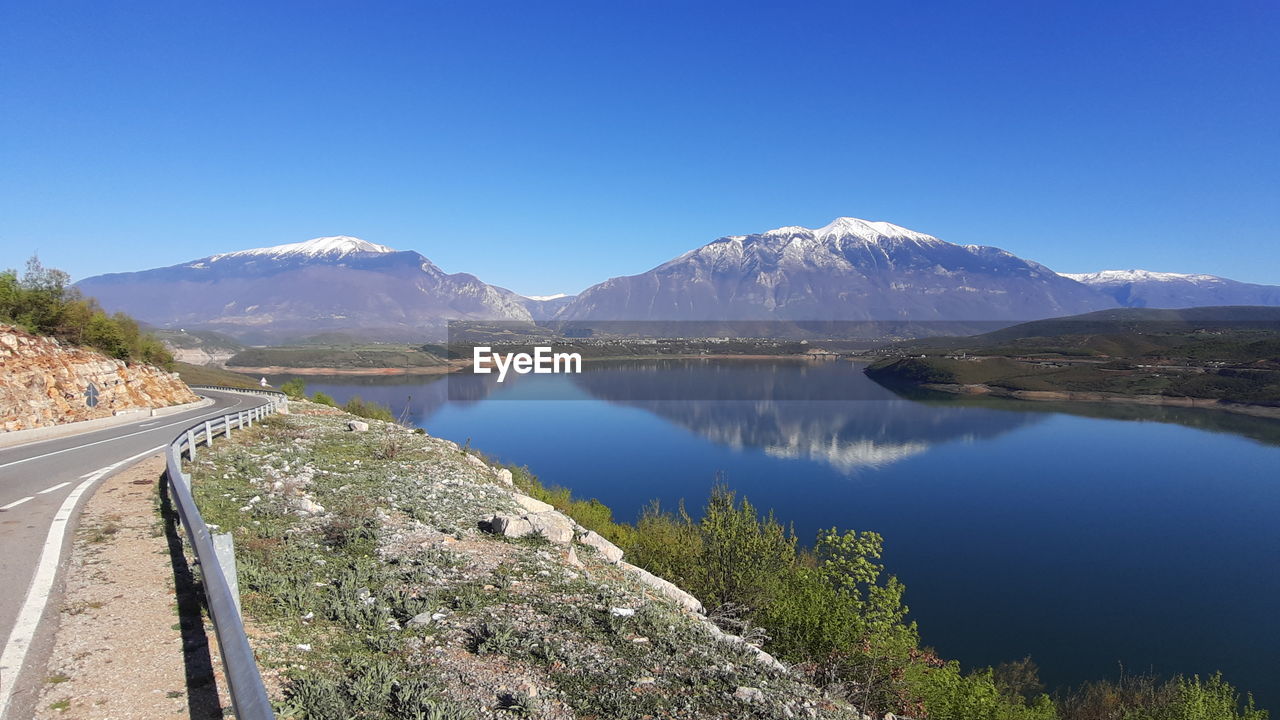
36 602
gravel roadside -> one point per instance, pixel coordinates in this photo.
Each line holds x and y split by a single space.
130 643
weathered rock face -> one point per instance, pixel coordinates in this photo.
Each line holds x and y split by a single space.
43 383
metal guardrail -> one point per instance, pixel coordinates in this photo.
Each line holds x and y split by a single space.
244 682
248 390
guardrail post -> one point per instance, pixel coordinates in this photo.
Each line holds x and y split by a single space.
208 434
191 445
224 547
226 420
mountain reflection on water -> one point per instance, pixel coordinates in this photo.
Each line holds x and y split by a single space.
829 412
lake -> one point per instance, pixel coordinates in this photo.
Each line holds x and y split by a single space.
1087 537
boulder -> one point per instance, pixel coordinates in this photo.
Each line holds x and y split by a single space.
357 426
514 526
761 656
572 558
748 694
307 506
532 505
552 525
504 477
611 552
664 588
480 464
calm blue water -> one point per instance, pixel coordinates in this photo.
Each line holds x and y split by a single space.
1018 528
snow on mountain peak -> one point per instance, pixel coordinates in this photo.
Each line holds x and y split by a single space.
1117 277
336 245
544 298
865 230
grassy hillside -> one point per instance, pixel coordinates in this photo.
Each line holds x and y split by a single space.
209 375
347 357
207 340
1229 354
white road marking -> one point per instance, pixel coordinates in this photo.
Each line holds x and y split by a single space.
16 503
153 422
24 628
188 421
51 489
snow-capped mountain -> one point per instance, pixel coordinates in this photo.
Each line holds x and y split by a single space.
848 270
335 246
545 307
329 284
1144 288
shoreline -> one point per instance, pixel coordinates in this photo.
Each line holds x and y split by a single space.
282 370
1263 411
459 366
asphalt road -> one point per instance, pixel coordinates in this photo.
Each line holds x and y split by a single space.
42 487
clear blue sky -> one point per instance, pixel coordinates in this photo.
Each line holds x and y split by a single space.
547 146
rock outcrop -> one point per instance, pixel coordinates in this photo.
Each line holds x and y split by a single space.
44 382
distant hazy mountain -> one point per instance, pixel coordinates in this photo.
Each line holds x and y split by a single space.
1143 288
544 307
326 284
849 270
1119 331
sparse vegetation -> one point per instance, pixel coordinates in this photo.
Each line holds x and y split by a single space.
368 409
104 531
341 357
1145 697
390 603
210 375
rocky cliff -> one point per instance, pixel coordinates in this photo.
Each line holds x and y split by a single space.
44 382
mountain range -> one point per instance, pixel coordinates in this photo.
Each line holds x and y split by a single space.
1142 288
323 285
849 270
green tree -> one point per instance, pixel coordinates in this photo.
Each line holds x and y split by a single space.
295 388
43 302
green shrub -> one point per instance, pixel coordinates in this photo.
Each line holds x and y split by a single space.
371 410
950 695
295 388
1144 697
323 399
